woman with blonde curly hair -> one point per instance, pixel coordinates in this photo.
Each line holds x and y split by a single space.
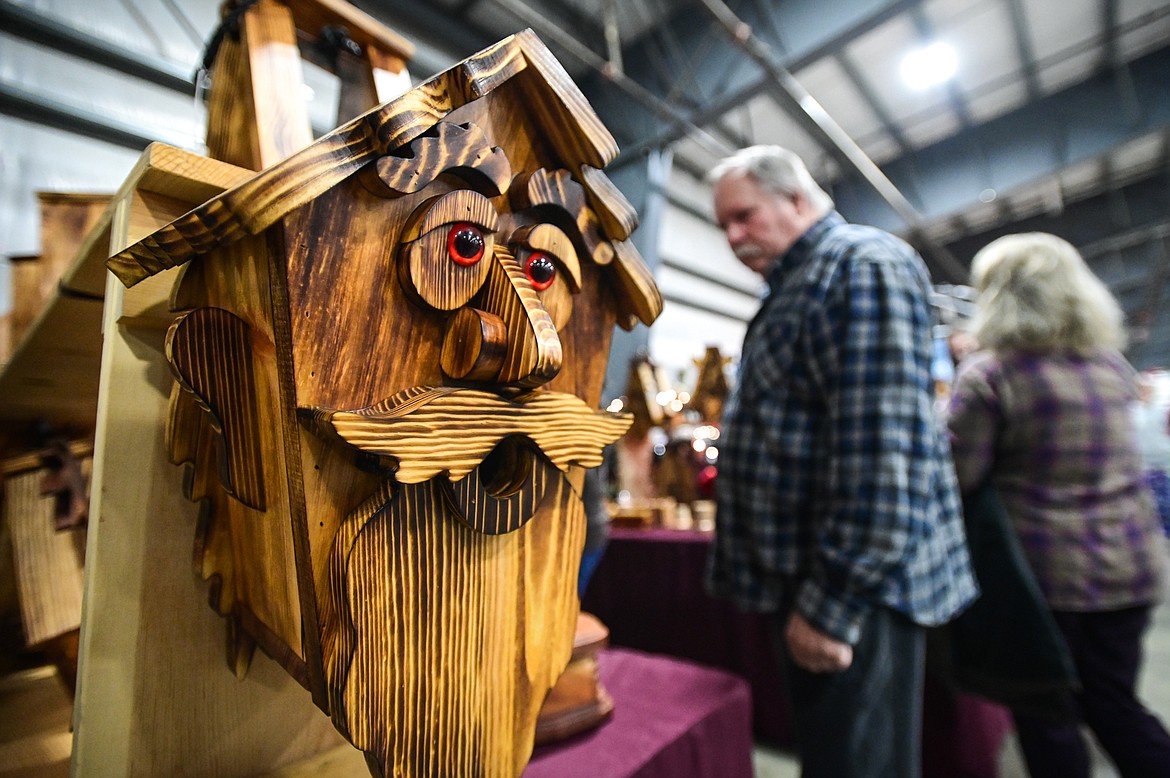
1043 411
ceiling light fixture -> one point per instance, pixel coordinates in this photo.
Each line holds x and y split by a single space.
932 64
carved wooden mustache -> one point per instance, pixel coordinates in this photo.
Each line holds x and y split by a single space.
432 430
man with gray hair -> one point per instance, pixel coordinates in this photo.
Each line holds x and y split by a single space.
838 507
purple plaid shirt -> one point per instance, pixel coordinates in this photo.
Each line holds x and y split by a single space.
1054 433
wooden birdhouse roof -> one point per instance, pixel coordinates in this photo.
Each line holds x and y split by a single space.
577 135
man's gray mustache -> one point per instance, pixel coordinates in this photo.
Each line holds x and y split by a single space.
747 251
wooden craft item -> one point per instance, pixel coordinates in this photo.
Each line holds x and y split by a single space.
676 469
711 386
578 702
67 484
48 563
65 220
388 351
646 382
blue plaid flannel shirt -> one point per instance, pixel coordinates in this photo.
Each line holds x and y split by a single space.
836 488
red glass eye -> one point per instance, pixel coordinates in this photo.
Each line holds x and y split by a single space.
541 270
465 243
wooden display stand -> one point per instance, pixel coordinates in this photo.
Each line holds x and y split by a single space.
145 612
414 574
578 702
50 376
146 616
37 280
47 324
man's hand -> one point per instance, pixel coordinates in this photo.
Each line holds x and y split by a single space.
813 650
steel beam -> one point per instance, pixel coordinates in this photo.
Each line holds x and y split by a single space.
20 22
1022 36
629 86
38 109
1026 145
814 30
807 112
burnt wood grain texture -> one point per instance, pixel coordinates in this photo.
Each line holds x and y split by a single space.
211 352
48 563
423 348
458 694
453 149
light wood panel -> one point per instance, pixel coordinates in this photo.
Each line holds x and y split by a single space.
162 169
137 712
35 740
154 697
53 373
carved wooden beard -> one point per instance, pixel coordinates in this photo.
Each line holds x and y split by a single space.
452 588
427 679
486 527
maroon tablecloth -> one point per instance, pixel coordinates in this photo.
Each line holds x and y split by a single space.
671 719
648 590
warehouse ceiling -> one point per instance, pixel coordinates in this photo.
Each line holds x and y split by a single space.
1057 116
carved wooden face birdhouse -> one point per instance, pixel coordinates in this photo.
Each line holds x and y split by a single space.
388 354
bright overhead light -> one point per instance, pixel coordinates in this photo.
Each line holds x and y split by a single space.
929 65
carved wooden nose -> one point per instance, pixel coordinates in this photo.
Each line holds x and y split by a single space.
474 345
509 338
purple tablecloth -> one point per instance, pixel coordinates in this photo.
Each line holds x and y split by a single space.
671 719
648 590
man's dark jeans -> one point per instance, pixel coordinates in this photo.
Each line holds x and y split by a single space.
864 722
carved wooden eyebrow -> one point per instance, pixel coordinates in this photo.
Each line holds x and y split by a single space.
638 296
462 205
546 187
553 240
462 150
257 203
